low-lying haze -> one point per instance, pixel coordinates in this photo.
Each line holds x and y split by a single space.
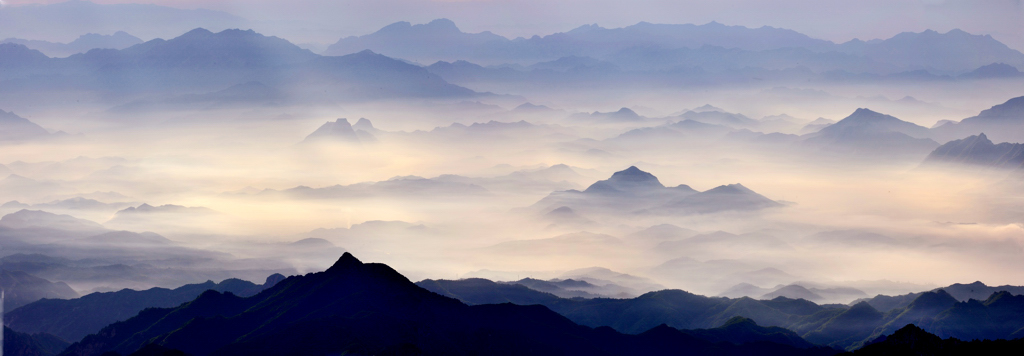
218 153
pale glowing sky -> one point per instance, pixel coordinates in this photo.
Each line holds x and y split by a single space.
837 20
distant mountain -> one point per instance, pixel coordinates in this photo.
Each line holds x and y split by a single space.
403 187
816 125
954 51
53 21
151 217
17 128
847 328
635 191
979 291
994 70
675 308
620 116
732 197
84 43
73 319
21 288
781 123
995 317
475 291
565 216
76 203
529 108
340 131
713 46
1002 123
440 39
41 219
369 308
569 288
605 277
625 191
794 291
885 303
22 344
715 117
980 151
868 133
744 290
224 68
681 132
109 267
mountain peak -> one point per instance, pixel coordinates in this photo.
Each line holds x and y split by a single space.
865 112
982 140
867 121
739 321
730 189
634 176
936 300
444 24
274 279
630 181
626 111
363 124
198 32
346 261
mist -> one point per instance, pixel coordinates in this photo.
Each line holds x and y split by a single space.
215 153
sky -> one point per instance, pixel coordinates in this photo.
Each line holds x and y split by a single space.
325 21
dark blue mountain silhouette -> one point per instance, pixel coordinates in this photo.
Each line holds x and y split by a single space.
362 308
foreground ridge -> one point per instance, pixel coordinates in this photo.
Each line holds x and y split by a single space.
369 308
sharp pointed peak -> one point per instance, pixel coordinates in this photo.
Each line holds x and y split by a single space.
346 261
863 111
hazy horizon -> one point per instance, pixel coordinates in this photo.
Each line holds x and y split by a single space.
325 22
779 158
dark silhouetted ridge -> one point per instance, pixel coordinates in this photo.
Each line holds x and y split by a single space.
357 308
346 262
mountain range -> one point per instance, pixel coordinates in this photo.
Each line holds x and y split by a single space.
354 307
870 133
57 20
220 68
843 326
21 288
864 133
84 43
74 318
633 190
664 46
978 150
340 131
373 309
404 186
1001 123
